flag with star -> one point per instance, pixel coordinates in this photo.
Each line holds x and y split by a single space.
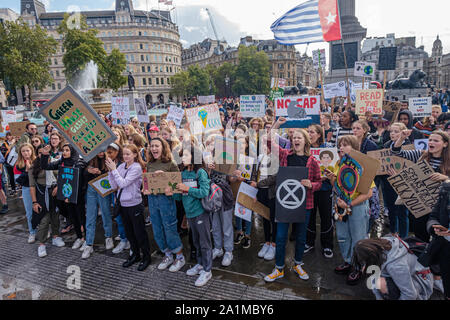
311 21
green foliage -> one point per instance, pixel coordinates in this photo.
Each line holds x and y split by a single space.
199 81
227 69
179 84
252 75
115 64
24 55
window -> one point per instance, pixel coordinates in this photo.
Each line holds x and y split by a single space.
157 80
56 61
141 46
168 80
415 63
149 81
156 68
147 57
406 64
149 69
167 69
132 58
59 86
143 68
142 57
57 73
53 87
144 81
170 69
140 33
126 57
162 80
161 69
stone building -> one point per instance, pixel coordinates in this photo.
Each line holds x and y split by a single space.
149 39
203 53
437 67
306 74
3 100
7 14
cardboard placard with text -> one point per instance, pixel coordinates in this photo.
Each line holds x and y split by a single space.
415 187
203 119
370 169
370 100
158 182
390 161
79 123
68 182
17 129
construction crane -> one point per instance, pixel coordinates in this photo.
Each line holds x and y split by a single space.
212 23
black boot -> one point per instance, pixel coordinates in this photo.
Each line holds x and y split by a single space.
131 260
145 263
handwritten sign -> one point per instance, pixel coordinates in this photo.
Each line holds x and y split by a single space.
79 123
332 90
415 187
141 110
175 114
390 161
369 100
206 99
68 180
120 109
246 166
18 128
239 210
421 144
364 69
300 112
253 106
319 59
203 119
101 185
158 182
420 107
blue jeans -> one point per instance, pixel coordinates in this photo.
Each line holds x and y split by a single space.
120 227
163 215
300 240
28 204
398 215
354 229
93 201
247 224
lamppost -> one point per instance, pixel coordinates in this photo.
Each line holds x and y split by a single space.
227 82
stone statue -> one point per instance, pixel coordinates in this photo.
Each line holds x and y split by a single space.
415 80
131 85
303 89
291 91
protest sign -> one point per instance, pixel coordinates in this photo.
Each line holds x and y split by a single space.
206 99
332 90
421 144
141 110
203 119
226 154
246 166
101 185
364 69
276 93
68 180
158 182
253 106
78 123
420 107
9 116
370 167
370 100
415 187
278 83
239 210
120 110
17 129
291 195
389 161
327 158
300 112
387 58
319 59
175 114
256 206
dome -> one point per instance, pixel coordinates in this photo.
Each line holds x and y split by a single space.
437 43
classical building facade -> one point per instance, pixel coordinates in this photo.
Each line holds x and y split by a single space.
437 67
149 40
203 53
7 14
306 74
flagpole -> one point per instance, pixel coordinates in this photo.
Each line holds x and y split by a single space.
349 101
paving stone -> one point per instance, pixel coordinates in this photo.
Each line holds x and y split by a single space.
256 293
224 290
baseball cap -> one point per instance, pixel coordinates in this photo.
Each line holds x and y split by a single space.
153 128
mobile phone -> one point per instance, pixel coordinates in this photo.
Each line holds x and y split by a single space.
440 228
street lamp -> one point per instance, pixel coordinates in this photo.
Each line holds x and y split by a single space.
227 81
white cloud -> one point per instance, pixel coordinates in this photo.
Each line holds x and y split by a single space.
190 29
203 14
46 4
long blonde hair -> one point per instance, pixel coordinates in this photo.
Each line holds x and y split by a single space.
20 160
307 148
135 150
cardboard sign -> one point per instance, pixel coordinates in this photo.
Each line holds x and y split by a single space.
101 185
253 205
389 161
414 186
68 180
206 99
141 110
327 157
246 166
370 167
17 129
175 114
420 107
158 182
332 90
9 116
387 58
120 110
369 101
203 119
319 59
226 154
291 195
253 106
239 210
364 69
421 144
300 112
79 123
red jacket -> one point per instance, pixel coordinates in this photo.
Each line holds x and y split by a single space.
313 174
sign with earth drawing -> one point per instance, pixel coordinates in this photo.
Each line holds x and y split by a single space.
291 195
102 185
68 181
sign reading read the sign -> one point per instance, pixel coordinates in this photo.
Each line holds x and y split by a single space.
370 100
78 123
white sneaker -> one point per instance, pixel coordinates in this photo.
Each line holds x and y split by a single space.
128 246
227 258
83 246
203 278
217 253
438 285
109 244
77 244
195 270
87 252
263 250
270 254
31 238
167 261
118 238
120 247
177 265
58 241
42 252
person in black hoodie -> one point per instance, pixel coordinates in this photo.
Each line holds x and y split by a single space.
70 158
406 117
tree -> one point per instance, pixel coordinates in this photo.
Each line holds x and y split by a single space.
180 83
81 45
211 70
24 56
227 69
252 73
198 81
115 64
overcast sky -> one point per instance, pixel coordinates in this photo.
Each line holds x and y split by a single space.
423 19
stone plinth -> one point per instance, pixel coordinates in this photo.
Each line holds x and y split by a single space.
405 94
131 96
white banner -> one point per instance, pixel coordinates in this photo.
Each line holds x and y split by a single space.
319 59
120 108
175 114
253 106
204 118
206 99
278 83
141 110
364 69
420 107
334 90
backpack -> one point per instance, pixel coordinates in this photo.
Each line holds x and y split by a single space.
11 159
415 245
212 203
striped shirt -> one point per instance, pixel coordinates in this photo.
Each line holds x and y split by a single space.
340 132
414 156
